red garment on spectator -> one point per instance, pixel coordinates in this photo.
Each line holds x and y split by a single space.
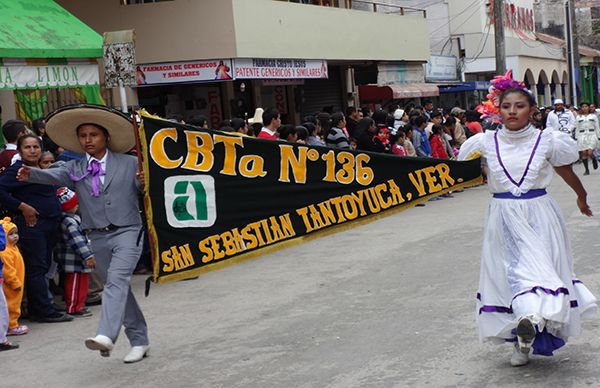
266 135
437 148
5 159
399 150
76 290
474 127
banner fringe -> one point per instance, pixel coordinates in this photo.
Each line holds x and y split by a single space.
306 238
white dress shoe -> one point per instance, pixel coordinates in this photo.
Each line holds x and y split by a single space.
137 353
101 343
519 358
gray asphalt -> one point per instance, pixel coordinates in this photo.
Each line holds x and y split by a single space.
388 304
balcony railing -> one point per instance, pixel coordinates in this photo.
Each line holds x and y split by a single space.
364 5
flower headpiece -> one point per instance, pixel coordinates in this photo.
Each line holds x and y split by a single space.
491 107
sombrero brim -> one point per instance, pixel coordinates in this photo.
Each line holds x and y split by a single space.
61 126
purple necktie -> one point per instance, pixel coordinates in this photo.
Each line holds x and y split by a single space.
95 170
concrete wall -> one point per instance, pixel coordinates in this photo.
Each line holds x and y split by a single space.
288 30
206 29
165 31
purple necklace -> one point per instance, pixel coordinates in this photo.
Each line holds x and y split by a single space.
537 142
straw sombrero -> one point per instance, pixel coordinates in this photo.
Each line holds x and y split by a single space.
61 126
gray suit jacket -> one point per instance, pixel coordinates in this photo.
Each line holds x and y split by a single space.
118 200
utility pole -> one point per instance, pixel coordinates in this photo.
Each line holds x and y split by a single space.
572 48
499 36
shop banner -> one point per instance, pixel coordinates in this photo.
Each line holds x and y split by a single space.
261 68
50 76
214 198
194 71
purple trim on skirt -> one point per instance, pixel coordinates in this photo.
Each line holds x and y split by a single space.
537 143
509 310
528 195
556 292
577 281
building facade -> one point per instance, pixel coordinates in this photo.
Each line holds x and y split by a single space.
225 58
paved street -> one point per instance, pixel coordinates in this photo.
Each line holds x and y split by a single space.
389 304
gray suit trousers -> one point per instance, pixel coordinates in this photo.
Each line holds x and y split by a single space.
117 254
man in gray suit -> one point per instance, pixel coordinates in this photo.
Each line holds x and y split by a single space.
107 185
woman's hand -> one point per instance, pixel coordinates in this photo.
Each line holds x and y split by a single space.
584 208
29 213
23 174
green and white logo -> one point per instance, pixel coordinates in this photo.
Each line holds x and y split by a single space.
190 201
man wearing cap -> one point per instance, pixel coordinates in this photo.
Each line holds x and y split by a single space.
107 190
459 132
561 119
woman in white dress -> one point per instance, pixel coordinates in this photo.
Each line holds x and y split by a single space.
528 293
587 133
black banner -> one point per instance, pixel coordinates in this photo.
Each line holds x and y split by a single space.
213 196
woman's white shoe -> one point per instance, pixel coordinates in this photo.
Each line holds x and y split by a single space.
519 358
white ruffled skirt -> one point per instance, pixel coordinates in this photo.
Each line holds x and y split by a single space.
587 141
527 270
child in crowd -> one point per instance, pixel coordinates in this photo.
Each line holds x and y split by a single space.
353 143
408 145
398 147
383 138
14 277
74 255
46 160
436 142
4 343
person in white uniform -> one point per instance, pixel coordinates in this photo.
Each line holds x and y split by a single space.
587 133
528 294
561 119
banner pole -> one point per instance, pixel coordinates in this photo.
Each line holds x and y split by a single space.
138 148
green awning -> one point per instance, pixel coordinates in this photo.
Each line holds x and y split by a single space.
43 29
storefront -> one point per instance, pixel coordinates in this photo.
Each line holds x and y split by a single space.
225 88
48 66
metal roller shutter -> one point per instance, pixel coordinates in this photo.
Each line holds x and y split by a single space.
320 93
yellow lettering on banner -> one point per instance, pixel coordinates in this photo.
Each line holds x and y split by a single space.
315 216
298 164
203 246
445 177
350 210
177 258
230 152
432 180
249 238
397 197
203 150
157 148
379 189
216 248
265 228
167 260
286 225
276 229
358 197
251 166
372 201
417 181
337 202
256 227
327 213
364 175
228 243
346 174
303 212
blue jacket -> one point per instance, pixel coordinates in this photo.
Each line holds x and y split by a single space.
41 197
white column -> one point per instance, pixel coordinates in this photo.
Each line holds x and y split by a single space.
534 92
547 95
559 93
